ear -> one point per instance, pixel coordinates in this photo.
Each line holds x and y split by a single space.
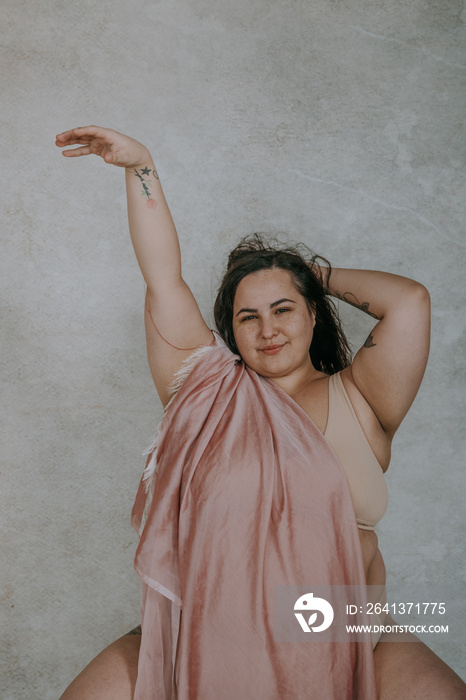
312 313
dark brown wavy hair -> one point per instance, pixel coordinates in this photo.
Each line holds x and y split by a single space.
329 349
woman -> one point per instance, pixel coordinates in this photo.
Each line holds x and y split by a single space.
214 529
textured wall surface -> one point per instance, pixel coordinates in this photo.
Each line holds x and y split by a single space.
339 122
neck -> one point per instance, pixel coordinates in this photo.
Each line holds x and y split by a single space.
297 380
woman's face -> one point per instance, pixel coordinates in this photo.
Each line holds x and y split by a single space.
272 324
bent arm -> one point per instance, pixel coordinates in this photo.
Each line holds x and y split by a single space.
174 324
388 369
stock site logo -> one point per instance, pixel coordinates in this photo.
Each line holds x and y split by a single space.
307 603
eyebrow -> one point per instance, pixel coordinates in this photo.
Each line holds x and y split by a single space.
275 303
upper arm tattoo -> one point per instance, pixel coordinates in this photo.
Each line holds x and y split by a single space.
350 298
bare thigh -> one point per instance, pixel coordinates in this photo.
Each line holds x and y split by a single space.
406 670
111 675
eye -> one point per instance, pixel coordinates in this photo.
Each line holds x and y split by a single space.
247 318
283 308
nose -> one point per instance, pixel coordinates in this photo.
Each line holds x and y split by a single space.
269 328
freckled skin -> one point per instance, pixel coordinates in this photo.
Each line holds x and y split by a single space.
286 327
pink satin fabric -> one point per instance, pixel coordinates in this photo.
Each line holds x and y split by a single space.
248 495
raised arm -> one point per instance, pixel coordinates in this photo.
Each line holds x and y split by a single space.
388 369
174 325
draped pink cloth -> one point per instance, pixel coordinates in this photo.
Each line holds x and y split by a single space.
248 495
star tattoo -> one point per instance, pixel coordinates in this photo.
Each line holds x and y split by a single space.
151 203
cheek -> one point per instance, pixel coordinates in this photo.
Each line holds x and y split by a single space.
242 338
246 341
303 330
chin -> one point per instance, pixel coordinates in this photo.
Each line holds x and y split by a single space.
271 369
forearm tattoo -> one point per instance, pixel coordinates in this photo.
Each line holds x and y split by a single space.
350 298
151 203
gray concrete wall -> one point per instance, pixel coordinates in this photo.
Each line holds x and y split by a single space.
339 122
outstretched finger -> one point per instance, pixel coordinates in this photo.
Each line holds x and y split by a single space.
73 152
78 135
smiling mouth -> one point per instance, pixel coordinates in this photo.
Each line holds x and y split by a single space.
271 349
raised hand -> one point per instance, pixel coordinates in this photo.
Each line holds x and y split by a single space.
174 323
113 147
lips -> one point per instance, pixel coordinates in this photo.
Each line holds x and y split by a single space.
271 349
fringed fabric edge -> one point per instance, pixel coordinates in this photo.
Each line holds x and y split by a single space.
177 382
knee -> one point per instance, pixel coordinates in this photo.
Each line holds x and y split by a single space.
111 675
407 670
